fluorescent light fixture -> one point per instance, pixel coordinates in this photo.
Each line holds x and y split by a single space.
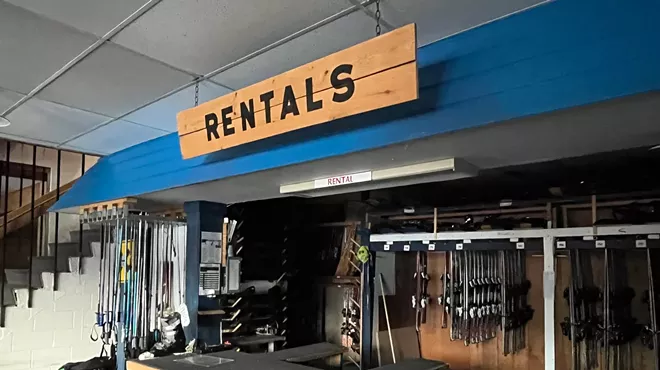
4 122
435 171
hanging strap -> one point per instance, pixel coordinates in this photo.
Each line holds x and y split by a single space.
94 335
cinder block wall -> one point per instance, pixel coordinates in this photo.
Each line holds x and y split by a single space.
57 328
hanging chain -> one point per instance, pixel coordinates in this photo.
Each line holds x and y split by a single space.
197 91
378 18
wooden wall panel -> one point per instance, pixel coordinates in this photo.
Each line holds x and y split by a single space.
487 355
436 345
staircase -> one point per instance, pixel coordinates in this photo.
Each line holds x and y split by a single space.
58 327
16 275
21 217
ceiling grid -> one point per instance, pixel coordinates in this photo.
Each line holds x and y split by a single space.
99 76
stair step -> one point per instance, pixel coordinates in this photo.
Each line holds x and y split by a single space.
47 264
88 235
15 263
69 249
19 278
10 298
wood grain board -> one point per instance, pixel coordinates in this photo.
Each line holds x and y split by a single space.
383 72
487 355
101 206
21 217
436 345
138 365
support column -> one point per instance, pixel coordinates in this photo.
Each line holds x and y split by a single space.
367 285
549 301
201 216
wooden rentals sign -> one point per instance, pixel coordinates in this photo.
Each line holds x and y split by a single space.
375 74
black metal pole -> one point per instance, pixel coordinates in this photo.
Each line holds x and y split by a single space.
32 236
367 283
20 204
57 214
20 184
4 238
42 219
80 234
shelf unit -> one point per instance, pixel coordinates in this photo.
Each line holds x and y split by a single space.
549 241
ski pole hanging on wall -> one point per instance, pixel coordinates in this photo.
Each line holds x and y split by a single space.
483 292
141 280
601 324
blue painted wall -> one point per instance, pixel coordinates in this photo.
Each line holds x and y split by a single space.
558 55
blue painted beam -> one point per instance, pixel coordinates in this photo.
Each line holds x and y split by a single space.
559 55
200 217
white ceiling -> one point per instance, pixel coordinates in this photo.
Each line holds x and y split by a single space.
98 76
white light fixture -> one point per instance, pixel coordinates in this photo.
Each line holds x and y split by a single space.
435 171
4 122
655 147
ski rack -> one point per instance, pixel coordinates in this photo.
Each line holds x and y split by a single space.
550 241
112 209
598 237
457 245
126 208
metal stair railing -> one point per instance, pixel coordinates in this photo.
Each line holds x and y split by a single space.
31 216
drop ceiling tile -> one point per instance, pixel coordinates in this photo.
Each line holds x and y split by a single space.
32 48
42 120
81 150
8 98
437 19
114 137
340 34
201 36
162 114
93 16
25 140
113 81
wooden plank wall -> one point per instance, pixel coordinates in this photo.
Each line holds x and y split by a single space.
484 356
435 343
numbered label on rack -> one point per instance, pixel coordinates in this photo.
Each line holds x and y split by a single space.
561 245
459 246
520 245
640 243
406 247
431 247
600 243
386 247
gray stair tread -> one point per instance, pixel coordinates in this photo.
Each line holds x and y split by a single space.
69 249
88 236
47 263
10 300
19 278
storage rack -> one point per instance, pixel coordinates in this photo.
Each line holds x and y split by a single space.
548 241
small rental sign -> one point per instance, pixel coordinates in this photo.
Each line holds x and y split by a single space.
377 73
342 180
